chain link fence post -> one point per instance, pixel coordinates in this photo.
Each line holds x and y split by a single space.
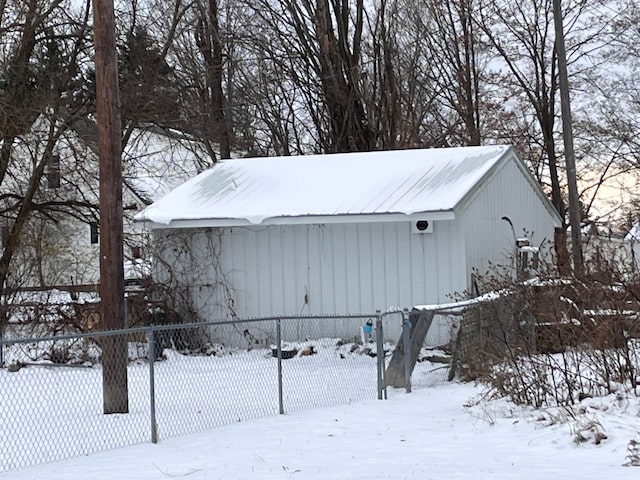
406 343
380 363
2 320
126 310
151 356
279 350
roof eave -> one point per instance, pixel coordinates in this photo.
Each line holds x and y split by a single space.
302 220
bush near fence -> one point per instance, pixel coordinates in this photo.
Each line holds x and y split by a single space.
553 342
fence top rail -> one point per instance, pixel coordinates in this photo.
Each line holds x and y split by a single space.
43 305
178 326
454 308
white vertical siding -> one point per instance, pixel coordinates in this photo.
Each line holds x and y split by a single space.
488 237
337 268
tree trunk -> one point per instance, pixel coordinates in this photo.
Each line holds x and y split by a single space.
208 41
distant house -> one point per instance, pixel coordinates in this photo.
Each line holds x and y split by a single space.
603 249
63 249
345 233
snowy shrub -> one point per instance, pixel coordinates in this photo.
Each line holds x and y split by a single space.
588 431
554 341
78 351
633 453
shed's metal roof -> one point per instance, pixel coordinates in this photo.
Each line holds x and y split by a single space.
258 190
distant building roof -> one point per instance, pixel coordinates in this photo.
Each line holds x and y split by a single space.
156 163
261 190
634 233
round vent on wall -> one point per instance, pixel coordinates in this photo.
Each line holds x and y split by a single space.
422 226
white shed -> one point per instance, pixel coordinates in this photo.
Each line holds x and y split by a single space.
346 233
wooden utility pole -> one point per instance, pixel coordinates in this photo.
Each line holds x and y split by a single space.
112 309
567 134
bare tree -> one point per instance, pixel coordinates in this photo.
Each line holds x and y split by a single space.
362 76
320 49
455 46
200 53
522 35
210 45
607 143
40 93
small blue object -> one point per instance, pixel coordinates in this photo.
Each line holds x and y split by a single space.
367 328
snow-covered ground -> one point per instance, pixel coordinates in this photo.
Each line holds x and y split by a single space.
441 431
50 412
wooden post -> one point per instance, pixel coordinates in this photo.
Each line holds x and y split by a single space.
114 349
402 363
567 135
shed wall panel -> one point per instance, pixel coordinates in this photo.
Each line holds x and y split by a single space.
488 237
351 270
365 280
338 268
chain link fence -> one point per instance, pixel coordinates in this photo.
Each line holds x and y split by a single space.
185 378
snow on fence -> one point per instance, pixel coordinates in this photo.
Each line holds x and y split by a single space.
182 380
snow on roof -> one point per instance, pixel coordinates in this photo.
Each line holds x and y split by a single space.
365 183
